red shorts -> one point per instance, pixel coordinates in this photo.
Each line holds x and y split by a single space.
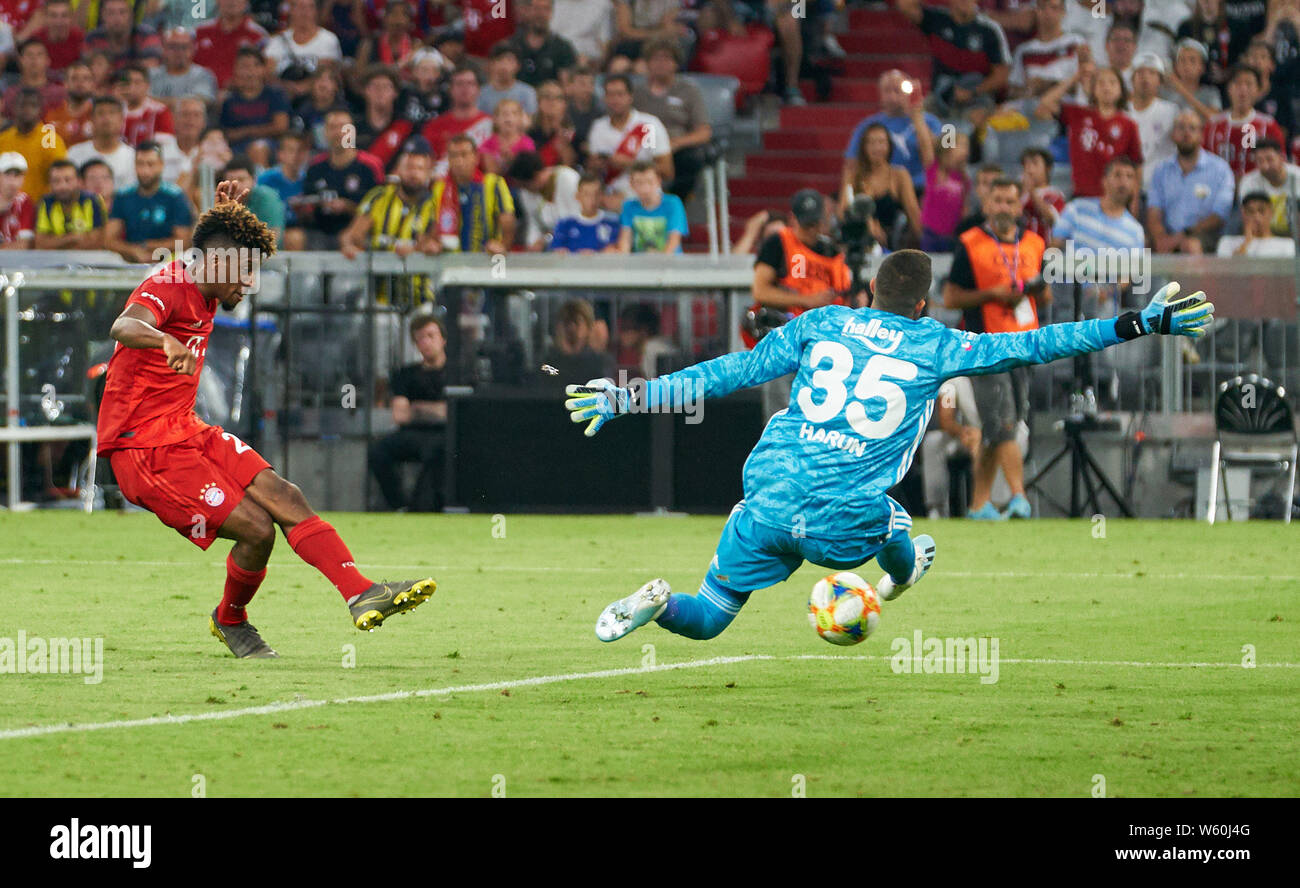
192 485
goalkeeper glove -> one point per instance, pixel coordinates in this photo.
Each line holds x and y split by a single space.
1168 314
600 402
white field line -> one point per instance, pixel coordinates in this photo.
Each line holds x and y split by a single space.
650 571
293 705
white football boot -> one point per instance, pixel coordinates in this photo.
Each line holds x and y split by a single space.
888 590
633 612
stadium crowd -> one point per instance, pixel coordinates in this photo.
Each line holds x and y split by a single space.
1200 97
470 124
363 124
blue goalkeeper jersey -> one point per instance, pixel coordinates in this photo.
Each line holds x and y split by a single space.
864 389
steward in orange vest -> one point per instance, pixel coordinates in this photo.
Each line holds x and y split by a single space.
799 267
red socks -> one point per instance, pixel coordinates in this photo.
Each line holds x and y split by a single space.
317 543
241 586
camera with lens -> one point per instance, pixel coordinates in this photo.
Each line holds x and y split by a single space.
853 236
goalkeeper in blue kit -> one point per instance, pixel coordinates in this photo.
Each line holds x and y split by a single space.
815 485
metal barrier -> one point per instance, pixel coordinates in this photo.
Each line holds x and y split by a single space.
300 369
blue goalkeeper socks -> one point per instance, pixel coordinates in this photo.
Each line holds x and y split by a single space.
704 615
898 557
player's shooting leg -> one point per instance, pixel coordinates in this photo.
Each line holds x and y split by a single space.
311 537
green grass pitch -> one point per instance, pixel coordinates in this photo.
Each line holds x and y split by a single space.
1098 637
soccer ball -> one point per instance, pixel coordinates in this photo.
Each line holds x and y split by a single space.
843 608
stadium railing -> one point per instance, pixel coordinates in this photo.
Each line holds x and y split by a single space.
300 369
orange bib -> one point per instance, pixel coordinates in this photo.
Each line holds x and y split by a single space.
995 265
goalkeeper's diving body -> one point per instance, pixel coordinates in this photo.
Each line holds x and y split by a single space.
815 485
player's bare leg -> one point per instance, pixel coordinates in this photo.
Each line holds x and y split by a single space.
316 542
251 528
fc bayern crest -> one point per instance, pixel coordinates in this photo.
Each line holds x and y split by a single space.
213 495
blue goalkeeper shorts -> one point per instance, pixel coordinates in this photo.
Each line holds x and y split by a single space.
753 556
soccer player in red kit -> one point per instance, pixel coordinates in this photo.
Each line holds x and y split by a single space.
197 478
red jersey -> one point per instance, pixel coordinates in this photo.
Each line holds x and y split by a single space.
19 221
146 403
1235 140
1037 223
444 126
145 123
485 26
62 52
1094 140
17 12
215 49
386 144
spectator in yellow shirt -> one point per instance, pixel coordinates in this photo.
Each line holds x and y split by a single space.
40 145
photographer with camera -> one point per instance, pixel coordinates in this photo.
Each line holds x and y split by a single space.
997 282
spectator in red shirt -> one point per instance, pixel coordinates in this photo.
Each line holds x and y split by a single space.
1233 134
146 117
34 72
17 210
61 37
217 42
463 117
1097 131
485 26
124 40
18 14
1042 204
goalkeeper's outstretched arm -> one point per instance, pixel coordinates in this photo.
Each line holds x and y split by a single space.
967 354
600 400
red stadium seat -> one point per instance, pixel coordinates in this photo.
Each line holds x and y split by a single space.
747 58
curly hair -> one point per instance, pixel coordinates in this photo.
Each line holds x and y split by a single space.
235 223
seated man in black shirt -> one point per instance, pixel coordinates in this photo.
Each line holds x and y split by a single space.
419 405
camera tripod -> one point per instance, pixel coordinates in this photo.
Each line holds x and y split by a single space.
1085 473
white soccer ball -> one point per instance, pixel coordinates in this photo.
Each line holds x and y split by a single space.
843 608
